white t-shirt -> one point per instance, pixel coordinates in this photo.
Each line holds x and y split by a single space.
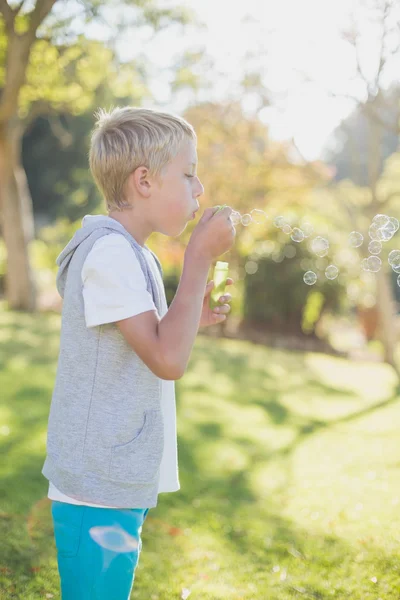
114 288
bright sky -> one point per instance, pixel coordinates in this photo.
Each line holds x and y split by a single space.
288 40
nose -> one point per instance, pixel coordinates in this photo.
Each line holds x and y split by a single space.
200 189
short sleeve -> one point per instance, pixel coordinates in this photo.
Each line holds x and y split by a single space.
114 286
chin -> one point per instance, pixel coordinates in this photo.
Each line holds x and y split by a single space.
176 232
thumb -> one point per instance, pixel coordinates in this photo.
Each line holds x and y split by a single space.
209 287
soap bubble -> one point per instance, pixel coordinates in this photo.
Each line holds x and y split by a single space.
396 268
246 220
383 228
355 239
398 281
320 246
258 216
390 226
394 258
374 247
331 272
309 278
394 222
374 263
287 229
380 220
279 222
373 232
235 217
364 264
386 233
322 253
297 235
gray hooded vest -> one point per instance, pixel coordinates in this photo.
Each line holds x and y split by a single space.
105 434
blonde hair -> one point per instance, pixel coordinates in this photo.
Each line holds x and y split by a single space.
127 138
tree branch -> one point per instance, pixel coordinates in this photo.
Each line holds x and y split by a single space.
18 53
38 14
8 14
18 8
384 35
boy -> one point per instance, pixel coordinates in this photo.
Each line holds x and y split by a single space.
111 441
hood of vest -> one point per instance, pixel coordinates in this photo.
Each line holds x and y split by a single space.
90 223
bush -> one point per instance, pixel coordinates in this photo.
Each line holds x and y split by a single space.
275 295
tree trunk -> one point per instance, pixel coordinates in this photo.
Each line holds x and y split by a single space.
384 292
386 311
16 220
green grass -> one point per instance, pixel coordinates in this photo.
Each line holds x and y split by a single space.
289 469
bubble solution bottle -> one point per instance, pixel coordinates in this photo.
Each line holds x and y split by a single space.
220 277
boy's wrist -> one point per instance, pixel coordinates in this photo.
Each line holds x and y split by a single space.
198 257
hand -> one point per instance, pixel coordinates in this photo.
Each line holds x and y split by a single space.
218 314
213 235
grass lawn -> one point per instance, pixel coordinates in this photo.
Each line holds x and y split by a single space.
289 470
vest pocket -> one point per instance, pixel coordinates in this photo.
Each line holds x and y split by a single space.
138 461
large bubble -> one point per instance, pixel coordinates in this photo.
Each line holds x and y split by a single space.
331 272
374 247
380 220
309 278
236 217
374 232
394 222
297 235
355 239
394 259
246 220
374 263
320 246
364 264
286 229
279 221
258 216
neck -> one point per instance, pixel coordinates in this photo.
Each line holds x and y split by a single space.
137 226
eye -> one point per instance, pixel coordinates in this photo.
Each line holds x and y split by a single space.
191 176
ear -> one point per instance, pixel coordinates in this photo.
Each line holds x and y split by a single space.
140 181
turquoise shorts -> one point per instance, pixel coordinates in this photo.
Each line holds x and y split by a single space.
97 550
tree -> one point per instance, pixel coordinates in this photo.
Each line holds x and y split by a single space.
46 70
349 153
377 107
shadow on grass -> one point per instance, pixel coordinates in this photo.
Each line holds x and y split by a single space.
253 532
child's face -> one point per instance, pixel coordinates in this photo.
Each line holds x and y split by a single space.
175 200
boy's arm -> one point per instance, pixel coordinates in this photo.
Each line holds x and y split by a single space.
165 345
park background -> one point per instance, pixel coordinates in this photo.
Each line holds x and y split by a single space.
287 418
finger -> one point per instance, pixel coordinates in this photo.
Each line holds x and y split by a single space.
219 318
225 298
209 286
223 310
